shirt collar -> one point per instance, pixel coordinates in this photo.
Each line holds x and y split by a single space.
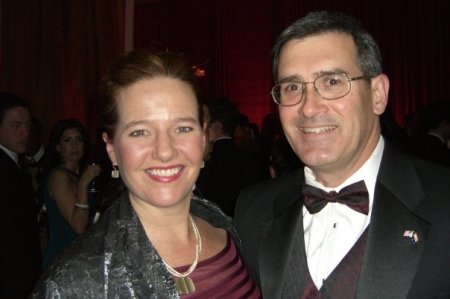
437 136
39 154
11 154
368 173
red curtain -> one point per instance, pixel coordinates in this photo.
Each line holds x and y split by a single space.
233 40
53 52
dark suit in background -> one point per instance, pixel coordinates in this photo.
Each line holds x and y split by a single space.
432 148
20 252
225 174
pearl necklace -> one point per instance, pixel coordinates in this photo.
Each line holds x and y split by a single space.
184 284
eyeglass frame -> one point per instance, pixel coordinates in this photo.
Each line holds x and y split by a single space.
304 89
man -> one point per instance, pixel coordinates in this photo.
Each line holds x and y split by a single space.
227 171
20 253
431 144
331 91
32 160
33 163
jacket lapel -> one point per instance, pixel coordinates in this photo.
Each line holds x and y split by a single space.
277 237
391 259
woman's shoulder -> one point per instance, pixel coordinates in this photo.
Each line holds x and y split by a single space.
87 256
68 272
212 214
206 209
60 174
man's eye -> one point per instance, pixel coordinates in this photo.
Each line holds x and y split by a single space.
184 129
292 87
333 81
138 133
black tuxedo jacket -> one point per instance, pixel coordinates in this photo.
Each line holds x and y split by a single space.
410 194
19 250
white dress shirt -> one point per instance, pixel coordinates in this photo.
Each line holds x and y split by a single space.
332 232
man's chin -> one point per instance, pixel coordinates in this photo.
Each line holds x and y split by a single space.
20 150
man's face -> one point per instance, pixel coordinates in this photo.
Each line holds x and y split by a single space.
215 131
15 129
333 137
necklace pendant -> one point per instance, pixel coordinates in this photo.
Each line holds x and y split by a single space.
185 285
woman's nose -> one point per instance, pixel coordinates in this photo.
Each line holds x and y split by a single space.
164 147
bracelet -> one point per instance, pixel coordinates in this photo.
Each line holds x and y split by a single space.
81 206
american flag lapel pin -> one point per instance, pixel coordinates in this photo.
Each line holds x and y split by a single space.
412 235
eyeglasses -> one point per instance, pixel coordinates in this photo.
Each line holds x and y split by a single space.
329 87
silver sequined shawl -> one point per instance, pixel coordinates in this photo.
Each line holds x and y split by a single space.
115 259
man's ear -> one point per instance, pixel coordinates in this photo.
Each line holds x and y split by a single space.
109 148
380 91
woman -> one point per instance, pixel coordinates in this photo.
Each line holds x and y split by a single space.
66 191
157 240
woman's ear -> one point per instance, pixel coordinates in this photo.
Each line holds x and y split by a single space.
380 91
109 148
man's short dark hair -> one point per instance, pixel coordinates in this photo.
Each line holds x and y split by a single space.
316 23
9 101
224 111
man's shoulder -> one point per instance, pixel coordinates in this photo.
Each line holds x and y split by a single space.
432 173
8 165
429 179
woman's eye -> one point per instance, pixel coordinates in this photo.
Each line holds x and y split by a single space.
138 133
184 129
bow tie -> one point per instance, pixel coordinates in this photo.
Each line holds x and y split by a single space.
355 196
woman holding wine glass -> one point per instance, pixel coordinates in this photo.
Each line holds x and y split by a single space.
66 187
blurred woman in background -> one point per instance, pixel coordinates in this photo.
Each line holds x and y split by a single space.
66 193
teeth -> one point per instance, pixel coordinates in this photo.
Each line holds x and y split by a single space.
318 130
164 172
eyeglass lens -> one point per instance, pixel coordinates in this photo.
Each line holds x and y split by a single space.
328 86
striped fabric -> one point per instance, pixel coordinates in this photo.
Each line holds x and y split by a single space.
222 276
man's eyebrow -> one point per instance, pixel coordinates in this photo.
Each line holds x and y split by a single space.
296 78
330 71
293 78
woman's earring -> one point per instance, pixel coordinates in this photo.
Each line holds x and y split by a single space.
115 174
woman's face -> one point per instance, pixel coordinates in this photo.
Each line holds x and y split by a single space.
71 145
159 142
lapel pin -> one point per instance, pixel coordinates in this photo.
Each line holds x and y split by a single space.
412 235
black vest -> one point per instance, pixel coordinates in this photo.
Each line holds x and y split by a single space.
340 284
